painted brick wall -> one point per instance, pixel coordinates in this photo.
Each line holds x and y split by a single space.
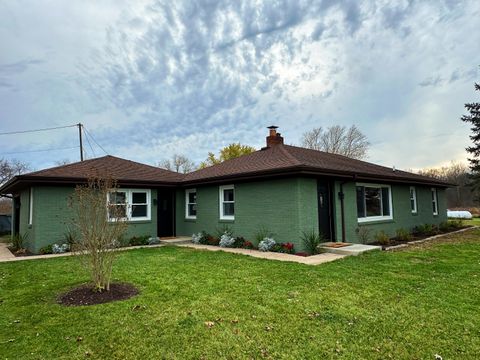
286 207
402 215
51 217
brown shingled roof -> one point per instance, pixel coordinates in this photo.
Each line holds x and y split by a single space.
292 159
124 171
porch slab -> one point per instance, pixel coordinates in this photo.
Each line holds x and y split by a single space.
351 249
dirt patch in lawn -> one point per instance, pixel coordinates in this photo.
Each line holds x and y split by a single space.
84 295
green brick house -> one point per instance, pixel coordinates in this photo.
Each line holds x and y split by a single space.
282 188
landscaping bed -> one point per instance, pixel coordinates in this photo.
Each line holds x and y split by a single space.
84 295
419 233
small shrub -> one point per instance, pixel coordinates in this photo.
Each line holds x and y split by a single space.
239 241
248 245
456 224
261 234
18 240
225 229
227 240
201 238
404 235
139 240
382 238
46 250
212 240
60 249
364 234
311 241
70 237
445 226
426 229
266 244
286 248
154 240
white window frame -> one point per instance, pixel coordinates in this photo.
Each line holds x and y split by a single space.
414 198
222 201
187 198
129 204
377 218
434 200
30 206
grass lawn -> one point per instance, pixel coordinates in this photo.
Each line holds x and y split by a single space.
409 304
473 222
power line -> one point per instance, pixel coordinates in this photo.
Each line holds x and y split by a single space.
89 143
95 141
40 150
37 130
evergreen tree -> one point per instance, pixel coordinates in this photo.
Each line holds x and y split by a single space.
474 118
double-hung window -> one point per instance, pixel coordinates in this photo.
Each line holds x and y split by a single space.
191 204
434 201
413 199
129 204
227 202
374 202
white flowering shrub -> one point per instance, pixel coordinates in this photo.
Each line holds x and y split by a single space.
227 240
60 249
153 240
266 244
196 238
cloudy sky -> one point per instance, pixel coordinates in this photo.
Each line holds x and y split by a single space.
153 78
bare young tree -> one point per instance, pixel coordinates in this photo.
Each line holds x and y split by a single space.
11 168
350 142
178 163
99 226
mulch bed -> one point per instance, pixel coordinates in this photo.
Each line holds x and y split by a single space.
84 295
415 237
20 253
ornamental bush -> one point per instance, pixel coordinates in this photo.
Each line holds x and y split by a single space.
267 244
227 240
60 249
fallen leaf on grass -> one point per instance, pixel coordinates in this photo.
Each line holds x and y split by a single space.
209 324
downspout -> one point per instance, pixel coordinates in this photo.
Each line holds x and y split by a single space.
341 196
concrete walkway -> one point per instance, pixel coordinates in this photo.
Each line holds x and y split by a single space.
310 260
7 256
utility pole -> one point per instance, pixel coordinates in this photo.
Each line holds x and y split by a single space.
80 138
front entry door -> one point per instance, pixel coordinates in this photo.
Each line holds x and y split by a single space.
165 213
325 210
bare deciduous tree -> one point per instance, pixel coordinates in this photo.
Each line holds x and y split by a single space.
178 163
337 139
99 226
10 168
63 162
458 174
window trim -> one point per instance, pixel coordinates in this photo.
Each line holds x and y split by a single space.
187 193
128 203
367 219
415 208
30 206
221 190
434 200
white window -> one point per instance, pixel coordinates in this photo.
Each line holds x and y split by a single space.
191 204
434 201
129 204
374 202
30 207
227 202
413 199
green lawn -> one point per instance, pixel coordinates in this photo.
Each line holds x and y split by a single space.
409 304
474 222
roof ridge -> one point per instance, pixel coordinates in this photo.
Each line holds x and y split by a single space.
65 165
291 156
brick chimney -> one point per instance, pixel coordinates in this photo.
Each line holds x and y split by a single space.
274 138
